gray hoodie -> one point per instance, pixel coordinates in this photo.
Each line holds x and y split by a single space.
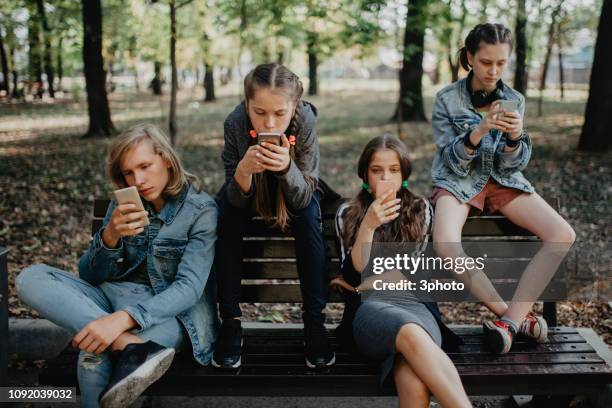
300 180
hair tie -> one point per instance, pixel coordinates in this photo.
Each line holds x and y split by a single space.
405 184
292 140
253 133
365 186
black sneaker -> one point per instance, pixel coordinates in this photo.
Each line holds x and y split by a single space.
229 344
317 351
138 366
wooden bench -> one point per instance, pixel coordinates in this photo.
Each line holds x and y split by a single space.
273 363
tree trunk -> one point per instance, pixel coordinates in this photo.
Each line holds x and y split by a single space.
16 93
560 57
209 83
5 69
156 82
549 45
520 73
410 103
60 63
35 66
313 63
100 123
595 135
47 52
174 84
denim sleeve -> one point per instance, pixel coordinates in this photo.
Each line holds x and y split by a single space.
231 158
516 160
99 263
450 144
191 277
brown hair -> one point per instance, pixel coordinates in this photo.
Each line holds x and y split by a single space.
487 32
177 175
279 78
408 227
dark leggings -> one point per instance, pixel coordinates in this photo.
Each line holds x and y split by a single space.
306 228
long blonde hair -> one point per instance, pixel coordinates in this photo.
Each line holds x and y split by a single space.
177 175
278 77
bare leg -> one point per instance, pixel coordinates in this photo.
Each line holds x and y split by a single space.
432 366
124 339
411 391
449 219
557 235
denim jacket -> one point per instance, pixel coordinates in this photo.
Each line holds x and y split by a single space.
463 174
178 247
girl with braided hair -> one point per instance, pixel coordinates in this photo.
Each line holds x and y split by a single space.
281 184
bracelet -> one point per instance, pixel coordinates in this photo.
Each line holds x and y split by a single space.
513 142
468 143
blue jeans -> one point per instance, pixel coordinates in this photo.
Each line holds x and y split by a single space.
309 252
72 303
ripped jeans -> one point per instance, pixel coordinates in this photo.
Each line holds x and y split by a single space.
72 303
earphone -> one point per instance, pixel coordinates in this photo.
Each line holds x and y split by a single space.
482 98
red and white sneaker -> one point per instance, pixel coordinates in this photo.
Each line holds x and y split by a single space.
498 335
535 328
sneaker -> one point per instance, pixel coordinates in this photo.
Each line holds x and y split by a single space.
499 335
138 366
318 352
229 344
535 328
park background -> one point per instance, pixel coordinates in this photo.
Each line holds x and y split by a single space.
76 73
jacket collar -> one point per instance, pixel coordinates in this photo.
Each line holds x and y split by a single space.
171 207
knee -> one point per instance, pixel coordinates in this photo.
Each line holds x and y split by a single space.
409 339
26 281
564 233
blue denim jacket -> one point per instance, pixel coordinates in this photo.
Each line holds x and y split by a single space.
178 246
463 174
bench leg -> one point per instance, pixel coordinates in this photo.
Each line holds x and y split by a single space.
4 339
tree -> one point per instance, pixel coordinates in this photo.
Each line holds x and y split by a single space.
100 123
595 135
47 51
34 54
520 73
410 103
5 70
549 45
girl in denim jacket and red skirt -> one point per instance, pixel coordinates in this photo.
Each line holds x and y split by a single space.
481 150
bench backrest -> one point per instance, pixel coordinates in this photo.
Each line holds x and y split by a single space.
269 265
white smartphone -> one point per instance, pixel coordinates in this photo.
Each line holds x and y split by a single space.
509 106
130 195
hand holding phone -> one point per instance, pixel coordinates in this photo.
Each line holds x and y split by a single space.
129 217
508 106
383 187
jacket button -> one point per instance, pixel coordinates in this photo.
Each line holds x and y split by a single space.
465 125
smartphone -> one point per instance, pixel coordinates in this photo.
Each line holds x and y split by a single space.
130 195
269 137
382 187
509 106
